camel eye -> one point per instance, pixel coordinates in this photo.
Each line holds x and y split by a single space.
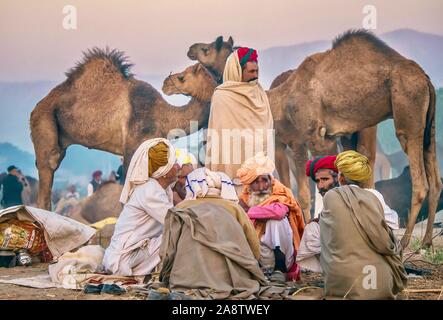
181 78
205 50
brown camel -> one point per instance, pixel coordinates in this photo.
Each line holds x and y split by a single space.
358 83
102 204
102 106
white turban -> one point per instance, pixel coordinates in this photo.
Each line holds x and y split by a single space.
203 182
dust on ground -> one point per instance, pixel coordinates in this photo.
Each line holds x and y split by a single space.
14 292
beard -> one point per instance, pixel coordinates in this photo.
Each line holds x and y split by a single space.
323 191
257 197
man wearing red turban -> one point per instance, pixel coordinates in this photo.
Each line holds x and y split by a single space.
323 172
240 121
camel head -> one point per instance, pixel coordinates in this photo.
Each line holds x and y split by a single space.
212 55
196 81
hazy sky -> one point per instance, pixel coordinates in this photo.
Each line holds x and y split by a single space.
156 34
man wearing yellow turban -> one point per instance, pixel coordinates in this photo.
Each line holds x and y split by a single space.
360 255
147 196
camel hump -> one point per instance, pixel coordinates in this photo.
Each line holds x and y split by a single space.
107 58
362 35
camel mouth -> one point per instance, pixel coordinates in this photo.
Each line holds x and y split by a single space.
191 55
167 90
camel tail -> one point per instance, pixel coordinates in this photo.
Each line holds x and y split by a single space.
430 118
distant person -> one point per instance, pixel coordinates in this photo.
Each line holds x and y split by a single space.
72 192
26 192
95 182
121 173
112 176
68 201
12 188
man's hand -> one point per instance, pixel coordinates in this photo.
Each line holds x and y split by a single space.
243 205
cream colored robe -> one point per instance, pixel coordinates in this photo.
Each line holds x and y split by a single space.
240 122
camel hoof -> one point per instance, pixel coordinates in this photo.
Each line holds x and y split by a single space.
426 243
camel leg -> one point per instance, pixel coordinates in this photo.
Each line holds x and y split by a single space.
281 161
303 192
48 152
367 145
414 149
432 172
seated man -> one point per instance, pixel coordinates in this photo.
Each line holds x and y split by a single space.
209 243
323 172
179 188
146 196
360 256
216 188
276 215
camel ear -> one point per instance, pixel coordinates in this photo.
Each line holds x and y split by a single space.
197 68
231 41
219 43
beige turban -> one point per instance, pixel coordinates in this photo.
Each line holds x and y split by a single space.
256 166
353 166
233 71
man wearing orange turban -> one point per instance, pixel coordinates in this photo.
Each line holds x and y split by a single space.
276 214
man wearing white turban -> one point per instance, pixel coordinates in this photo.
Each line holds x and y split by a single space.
147 196
204 186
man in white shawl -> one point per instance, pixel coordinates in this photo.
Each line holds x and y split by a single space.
147 196
240 121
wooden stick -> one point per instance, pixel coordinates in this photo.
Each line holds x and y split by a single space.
423 290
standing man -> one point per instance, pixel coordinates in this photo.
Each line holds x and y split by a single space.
240 122
12 188
360 255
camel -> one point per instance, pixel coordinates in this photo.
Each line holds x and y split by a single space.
321 106
104 203
398 192
358 83
102 106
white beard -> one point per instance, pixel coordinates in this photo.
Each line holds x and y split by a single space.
256 198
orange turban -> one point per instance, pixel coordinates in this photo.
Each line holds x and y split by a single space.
254 167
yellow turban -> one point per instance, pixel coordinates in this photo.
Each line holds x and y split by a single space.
354 166
158 157
254 167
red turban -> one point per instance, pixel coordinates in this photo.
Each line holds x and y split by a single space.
312 166
97 174
246 54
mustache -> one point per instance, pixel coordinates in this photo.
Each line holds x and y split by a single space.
253 79
259 193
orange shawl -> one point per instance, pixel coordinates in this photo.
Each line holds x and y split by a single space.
284 195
